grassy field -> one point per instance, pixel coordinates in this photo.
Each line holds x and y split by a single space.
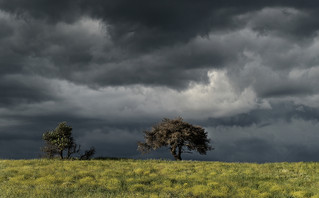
156 178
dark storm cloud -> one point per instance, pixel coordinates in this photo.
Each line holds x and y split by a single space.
139 24
18 90
278 141
112 69
110 138
285 111
296 22
149 25
48 10
286 90
261 151
152 38
80 52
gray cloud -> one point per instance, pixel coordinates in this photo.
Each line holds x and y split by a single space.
279 141
247 71
85 50
19 90
284 21
284 111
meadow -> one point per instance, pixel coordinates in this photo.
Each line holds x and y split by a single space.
156 178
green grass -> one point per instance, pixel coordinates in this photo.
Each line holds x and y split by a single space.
156 178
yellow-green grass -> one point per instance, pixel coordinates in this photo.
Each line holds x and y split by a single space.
156 178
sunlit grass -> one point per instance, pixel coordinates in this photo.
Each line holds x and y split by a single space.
156 178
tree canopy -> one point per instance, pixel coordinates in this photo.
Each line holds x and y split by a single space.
59 140
178 135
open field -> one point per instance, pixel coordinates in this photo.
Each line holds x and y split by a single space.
156 178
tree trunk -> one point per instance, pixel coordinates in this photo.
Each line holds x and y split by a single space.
173 151
61 154
69 153
178 155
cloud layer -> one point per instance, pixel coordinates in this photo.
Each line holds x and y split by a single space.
248 72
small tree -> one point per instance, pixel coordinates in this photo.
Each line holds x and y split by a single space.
59 140
178 135
88 154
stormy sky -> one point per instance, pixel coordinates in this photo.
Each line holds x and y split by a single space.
247 71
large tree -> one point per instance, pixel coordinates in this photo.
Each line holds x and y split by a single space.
178 135
59 140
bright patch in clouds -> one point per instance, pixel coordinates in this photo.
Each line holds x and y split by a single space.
215 99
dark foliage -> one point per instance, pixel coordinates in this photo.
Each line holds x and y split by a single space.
88 154
59 142
178 135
